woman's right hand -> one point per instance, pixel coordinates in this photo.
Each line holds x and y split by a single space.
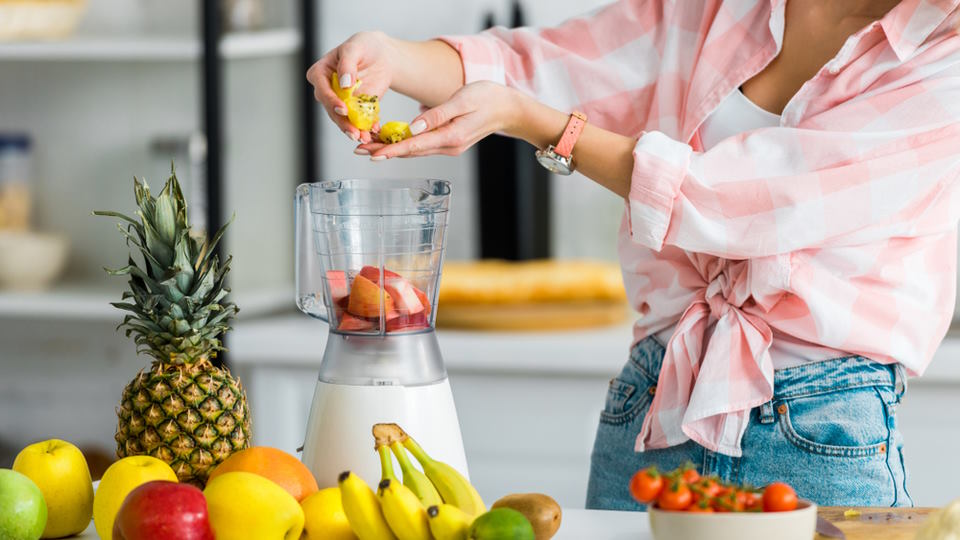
367 55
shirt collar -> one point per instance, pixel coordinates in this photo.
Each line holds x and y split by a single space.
911 22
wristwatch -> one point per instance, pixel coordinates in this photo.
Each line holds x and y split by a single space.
559 159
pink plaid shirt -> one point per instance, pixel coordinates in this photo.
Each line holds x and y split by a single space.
836 228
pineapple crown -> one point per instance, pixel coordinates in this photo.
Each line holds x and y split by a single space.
176 297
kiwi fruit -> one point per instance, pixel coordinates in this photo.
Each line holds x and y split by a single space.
540 510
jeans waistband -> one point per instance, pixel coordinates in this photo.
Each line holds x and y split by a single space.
806 379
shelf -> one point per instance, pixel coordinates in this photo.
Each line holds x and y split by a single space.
92 303
139 48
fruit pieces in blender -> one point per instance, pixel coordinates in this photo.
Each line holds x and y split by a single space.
357 301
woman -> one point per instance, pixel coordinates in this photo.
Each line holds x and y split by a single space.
789 239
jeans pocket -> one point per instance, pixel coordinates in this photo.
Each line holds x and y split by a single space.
852 422
628 396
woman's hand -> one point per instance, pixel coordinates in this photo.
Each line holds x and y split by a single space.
367 56
473 112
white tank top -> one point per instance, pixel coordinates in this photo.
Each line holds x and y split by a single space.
737 114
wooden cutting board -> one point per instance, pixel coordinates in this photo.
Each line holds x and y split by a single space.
876 523
531 316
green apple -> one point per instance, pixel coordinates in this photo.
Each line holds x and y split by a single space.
23 512
59 469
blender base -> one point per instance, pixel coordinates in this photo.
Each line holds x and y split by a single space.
339 434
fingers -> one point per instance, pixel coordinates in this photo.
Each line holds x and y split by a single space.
439 115
348 63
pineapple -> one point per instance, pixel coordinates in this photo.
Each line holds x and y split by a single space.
183 409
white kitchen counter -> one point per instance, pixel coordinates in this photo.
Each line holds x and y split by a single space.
576 525
297 341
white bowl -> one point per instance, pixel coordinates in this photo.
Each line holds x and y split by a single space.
30 261
799 524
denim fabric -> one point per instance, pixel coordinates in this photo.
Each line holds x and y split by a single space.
830 431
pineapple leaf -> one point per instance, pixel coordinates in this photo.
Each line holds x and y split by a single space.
210 247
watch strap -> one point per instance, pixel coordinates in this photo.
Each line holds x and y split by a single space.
571 134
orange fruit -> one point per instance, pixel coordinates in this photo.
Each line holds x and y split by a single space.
273 464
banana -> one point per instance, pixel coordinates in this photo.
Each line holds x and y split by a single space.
386 464
452 486
404 512
362 508
414 479
447 522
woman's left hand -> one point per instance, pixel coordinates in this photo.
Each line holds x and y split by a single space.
473 112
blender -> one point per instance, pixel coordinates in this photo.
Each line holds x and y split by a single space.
369 254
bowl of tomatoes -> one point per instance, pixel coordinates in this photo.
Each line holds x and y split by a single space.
683 505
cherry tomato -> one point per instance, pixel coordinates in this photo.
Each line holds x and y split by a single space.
707 488
701 507
754 502
728 502
689 474
646 485
676 496
779 497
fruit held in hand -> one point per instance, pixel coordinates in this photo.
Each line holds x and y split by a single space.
118 481
183 409
363 110
501 523
23 512
244 505
394 132
541 511
325 518
59 469
160 510
273 464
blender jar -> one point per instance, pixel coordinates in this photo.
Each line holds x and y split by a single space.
369 253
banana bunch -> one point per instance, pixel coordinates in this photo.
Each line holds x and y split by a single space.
399 510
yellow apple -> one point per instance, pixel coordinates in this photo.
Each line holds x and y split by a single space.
325 518
59 469
245 505
118 481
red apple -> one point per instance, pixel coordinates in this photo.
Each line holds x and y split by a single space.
423 299
365 299
408 323
404 295
337 280
373 273
349 323
160 510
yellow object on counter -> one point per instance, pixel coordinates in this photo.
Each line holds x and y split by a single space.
526 282
39 19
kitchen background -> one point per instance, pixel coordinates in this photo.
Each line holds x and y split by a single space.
129 89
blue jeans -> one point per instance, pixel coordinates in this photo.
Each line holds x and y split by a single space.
830 431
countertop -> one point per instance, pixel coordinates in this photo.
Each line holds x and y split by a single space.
295 340
576 525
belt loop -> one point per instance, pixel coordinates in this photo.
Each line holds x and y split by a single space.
900 381
766 413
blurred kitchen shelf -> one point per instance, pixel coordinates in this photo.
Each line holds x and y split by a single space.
236 45
76 301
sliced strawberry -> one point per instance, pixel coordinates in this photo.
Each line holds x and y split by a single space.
365 299
408 323
349 323
337 281
404 295
373 273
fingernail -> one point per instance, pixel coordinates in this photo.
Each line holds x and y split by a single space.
361 152
345 81
353 136
342 111
417 127
378 158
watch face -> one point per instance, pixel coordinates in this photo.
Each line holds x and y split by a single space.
551 163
